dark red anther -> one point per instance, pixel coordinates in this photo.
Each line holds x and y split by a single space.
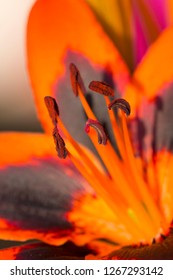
76 80
52 108
102 138
59 144
102 88
121 104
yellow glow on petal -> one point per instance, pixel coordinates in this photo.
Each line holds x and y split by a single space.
116 18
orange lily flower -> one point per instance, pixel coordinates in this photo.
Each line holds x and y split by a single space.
111 188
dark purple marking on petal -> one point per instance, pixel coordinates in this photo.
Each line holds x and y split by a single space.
68 251
102 88
42 251
39 195
102 138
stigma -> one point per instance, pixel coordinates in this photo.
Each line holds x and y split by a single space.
119 178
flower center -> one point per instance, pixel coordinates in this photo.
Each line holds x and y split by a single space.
122 185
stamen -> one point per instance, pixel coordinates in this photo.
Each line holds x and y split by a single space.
120 103
98 181
106 90
111 161
102 138
53 110
102 88
76 80
138 180
59 144
79 89
127 194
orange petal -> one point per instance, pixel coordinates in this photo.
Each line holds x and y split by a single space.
164 177
154 72
54 29
18 148
45 198
170 11
36 189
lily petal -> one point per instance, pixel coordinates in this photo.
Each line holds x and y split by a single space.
42 251
45 198
159 8
154 72
36 190
170 11
158 251
147 25
164 177
55 38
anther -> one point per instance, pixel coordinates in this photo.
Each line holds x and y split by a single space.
53 110
121 104
76 79
102 88
59 144
102 138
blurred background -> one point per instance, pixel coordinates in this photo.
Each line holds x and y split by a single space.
17 111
